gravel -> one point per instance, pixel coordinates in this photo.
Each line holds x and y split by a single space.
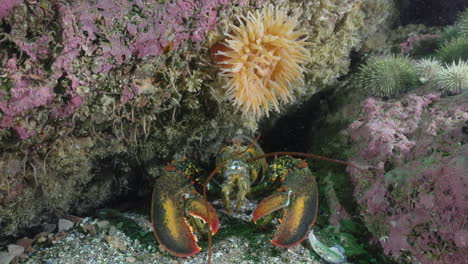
108 245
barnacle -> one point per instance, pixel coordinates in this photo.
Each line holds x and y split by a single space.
387 76
263 59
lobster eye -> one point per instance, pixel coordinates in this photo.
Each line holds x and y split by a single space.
235 165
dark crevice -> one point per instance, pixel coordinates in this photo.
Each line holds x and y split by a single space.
430 12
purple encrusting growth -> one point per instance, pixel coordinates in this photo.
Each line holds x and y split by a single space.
129 30
412 41
25 95
414 201
107 32
7 6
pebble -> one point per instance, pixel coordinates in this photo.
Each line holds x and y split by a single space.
41 239
40 235
112 230
64 225
116 242
284 255
74 219
58 237
130 259
15 250
103 224
109 245
6 258
25 242
49 228
89 228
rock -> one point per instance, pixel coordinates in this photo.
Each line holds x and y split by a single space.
112 230
130 259
116 242
22 258
64 225
89 228
75 219
103 224
41 239
58 237
40 235
6 258
15 250
25 242
417 151
49 228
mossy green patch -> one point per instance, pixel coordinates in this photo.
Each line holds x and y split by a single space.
355 250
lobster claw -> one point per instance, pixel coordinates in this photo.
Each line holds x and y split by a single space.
300 203
174 199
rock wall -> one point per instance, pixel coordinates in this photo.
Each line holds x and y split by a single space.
412 193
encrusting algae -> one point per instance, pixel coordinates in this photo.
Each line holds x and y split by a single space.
263 59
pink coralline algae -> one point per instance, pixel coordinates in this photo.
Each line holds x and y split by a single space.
104 34
412 41
390 125
7 6
131 34
416 152
25 95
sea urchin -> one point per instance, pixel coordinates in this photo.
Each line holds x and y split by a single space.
454 78
387 76
263 59
427 69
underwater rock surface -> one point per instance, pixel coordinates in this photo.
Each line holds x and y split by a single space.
413 194
98 95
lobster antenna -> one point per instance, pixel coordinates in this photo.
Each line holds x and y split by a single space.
301 154
205 199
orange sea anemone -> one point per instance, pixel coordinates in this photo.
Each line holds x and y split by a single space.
263 59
